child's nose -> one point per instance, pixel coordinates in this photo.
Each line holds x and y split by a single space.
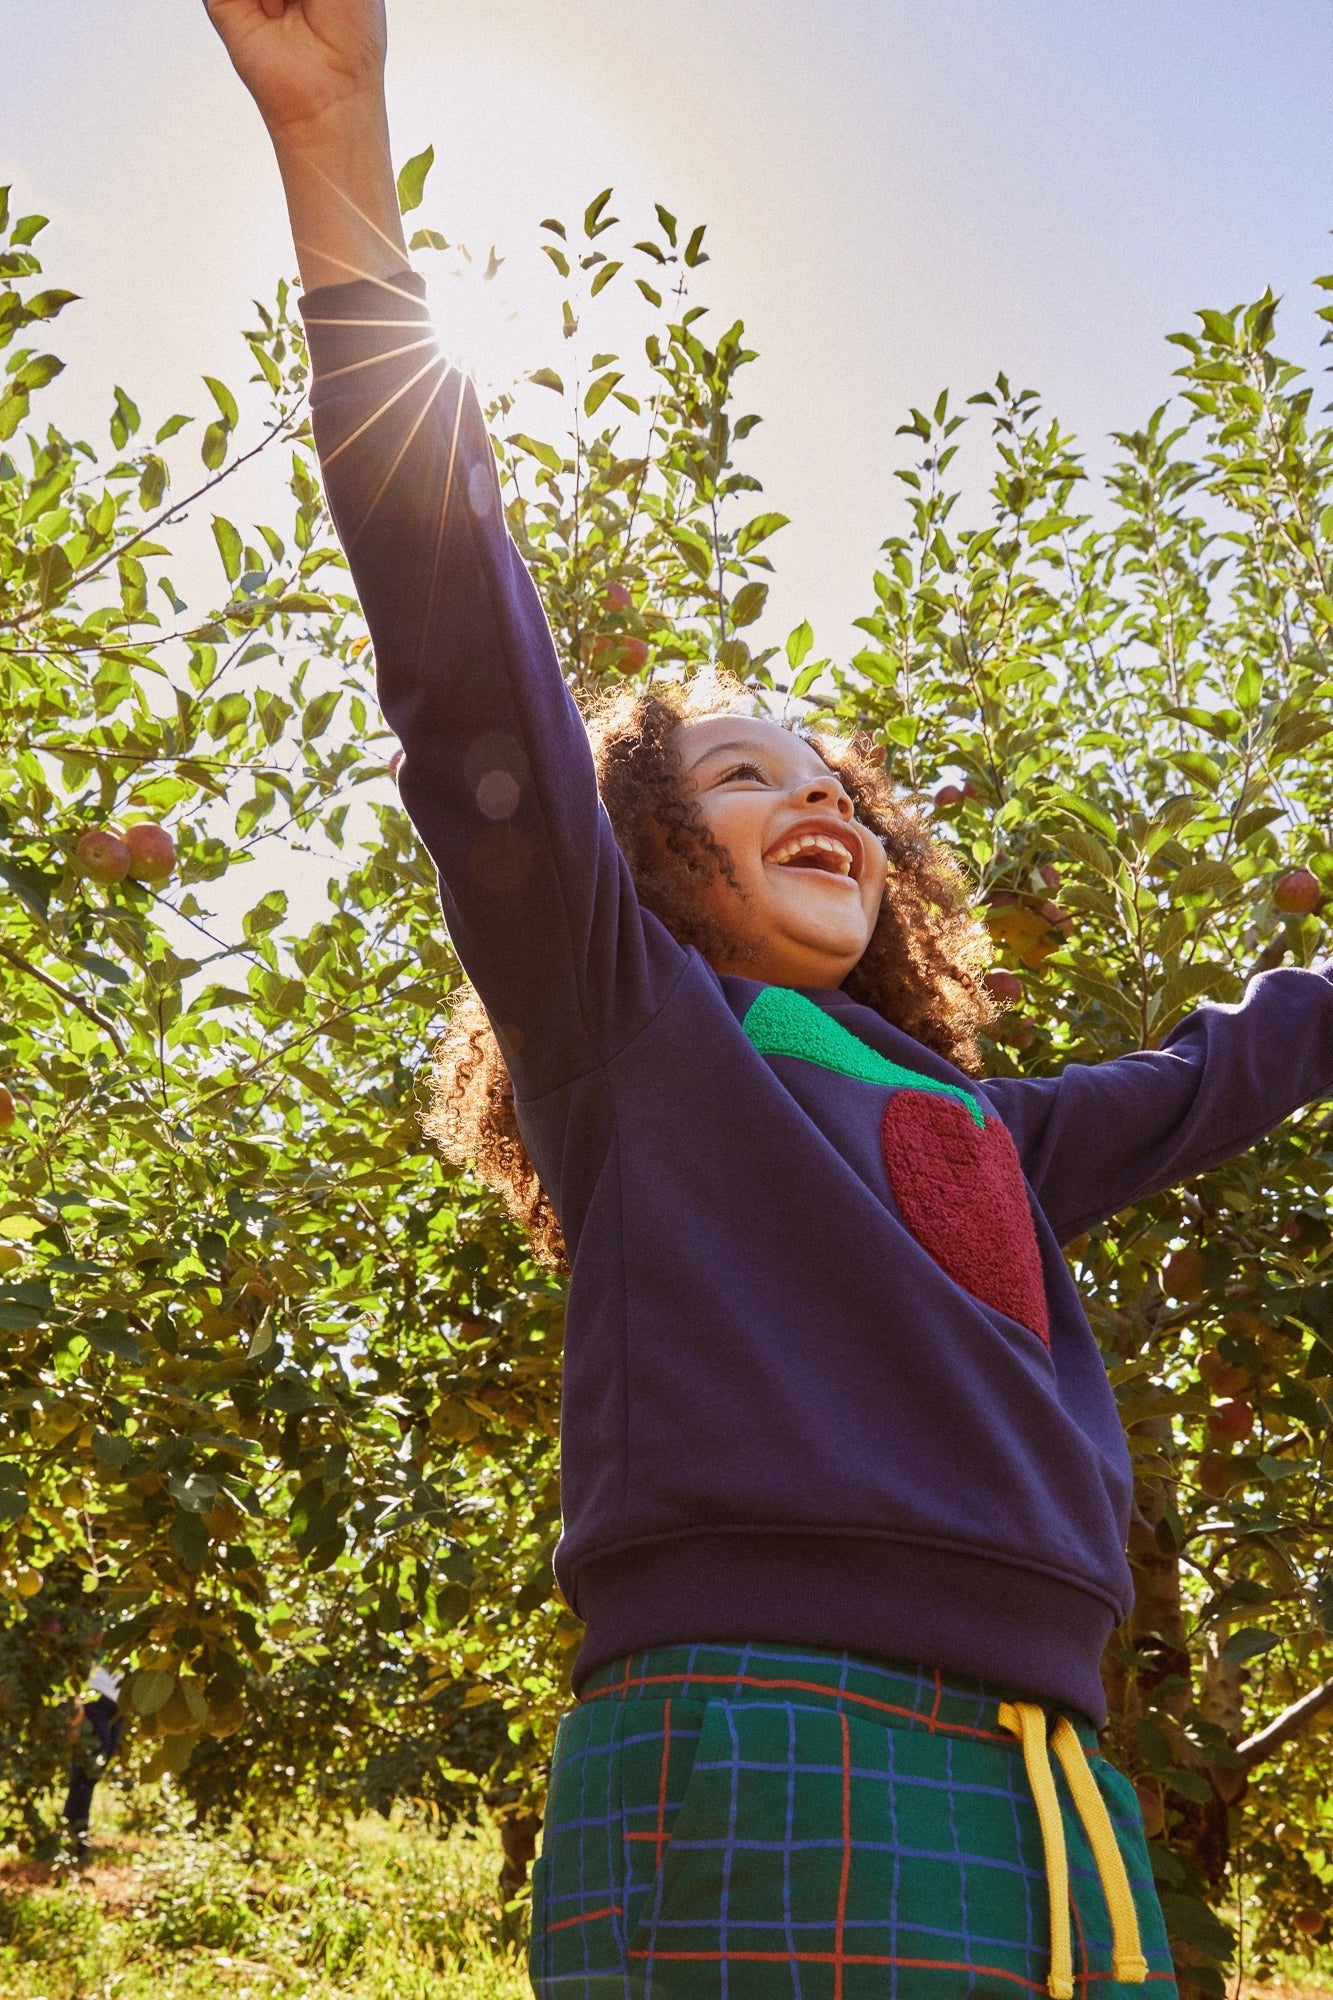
827 791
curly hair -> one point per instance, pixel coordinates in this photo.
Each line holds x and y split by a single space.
921 969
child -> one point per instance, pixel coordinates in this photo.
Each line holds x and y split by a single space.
845 1491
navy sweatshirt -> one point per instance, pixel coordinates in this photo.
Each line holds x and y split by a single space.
827 1377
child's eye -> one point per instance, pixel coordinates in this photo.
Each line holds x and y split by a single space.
741 771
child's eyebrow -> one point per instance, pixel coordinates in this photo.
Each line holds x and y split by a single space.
736 744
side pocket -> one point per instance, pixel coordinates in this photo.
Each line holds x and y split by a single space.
675 1788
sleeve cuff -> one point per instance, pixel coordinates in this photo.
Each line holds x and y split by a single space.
360 321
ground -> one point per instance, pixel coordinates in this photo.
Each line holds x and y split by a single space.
372 1910
369 1911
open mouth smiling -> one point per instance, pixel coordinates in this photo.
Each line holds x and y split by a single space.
817 853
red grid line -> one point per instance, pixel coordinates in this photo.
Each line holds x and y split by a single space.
662 1781
642 1681
589 1916
839 1935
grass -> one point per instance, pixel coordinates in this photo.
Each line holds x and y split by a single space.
374 1910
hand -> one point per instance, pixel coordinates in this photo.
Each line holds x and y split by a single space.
302 60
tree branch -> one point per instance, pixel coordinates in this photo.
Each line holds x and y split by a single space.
85 1007
167 515
1254 1749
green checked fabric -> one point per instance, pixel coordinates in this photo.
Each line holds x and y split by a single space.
749 1822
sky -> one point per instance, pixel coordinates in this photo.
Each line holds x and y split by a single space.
901 195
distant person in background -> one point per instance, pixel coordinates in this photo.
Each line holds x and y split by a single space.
98 1711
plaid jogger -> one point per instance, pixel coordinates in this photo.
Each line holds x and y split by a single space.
749 1822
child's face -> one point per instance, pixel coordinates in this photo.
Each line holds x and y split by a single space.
806 910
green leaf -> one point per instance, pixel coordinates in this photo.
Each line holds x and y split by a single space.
1194 1924
1249 1644
1219 327
594 221
266 915
124 420
1084 809
1084 845
229 546
799 641
748 603
758 530
55 574
150 1690
694 250
599 391
697 552
427 239
319 714
213 450
545 454
225 401
546 378
667 222
603 278
412 180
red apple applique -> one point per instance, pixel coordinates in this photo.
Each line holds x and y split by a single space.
959 1189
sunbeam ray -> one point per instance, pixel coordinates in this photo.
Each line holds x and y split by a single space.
374 360
386 406
405 446
440 525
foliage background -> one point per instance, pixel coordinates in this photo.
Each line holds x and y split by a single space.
284 1388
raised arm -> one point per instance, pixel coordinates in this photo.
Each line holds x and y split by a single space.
315 69
497 773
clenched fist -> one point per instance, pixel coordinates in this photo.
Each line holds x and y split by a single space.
303 60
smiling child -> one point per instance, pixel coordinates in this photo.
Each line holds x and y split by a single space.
845 1491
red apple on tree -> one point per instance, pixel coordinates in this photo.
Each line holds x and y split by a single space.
102 855
618 596
1224 1378
1309 1922
1297 893
1182 1274
8 1109
621 650
1216 1476
947 797
152 851
1231 1419
1006 987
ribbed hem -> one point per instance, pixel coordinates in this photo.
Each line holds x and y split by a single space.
1021 1630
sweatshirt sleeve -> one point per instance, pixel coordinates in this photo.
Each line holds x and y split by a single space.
1100 1136
497 774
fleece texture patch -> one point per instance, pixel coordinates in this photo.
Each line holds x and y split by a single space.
961 1193
784 1023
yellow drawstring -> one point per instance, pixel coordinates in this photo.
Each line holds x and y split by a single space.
1127 1960
1027 1721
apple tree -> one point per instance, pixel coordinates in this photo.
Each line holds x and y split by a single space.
273 1375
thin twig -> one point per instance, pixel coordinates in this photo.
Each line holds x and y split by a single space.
85 1007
